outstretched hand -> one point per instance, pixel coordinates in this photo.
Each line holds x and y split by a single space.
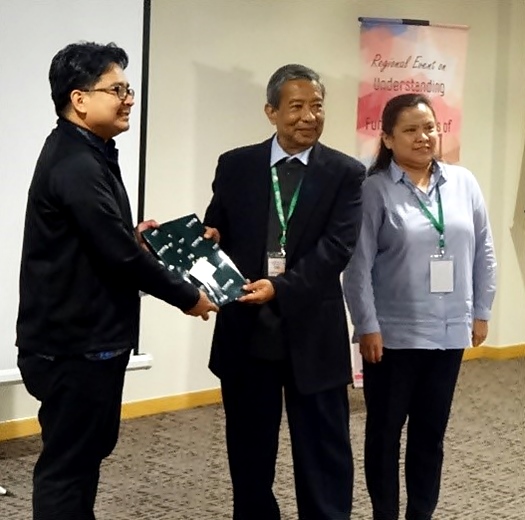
203 307
212 233
143 226
259 292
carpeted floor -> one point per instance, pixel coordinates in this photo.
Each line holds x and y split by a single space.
173 466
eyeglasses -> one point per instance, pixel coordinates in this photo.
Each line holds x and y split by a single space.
121 91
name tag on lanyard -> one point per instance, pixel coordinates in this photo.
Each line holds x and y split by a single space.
441 274
276 264
441 266
276 261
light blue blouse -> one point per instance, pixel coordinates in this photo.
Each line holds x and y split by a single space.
387 282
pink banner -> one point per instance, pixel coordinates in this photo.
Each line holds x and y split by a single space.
400 58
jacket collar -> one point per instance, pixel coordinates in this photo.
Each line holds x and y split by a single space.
107 148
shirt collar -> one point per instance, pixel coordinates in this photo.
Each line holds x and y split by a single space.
278 153
438 172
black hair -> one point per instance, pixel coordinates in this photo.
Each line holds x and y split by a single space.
79 66
389 120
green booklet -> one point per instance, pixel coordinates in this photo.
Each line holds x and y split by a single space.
180 246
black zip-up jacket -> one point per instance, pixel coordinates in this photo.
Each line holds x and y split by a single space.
82 267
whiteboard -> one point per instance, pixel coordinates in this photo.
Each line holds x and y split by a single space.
31 33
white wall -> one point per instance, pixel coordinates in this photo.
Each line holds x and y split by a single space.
506 178
210 61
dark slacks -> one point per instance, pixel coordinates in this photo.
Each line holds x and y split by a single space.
319 431
418 384
80 419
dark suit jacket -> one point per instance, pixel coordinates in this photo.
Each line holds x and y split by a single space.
321 238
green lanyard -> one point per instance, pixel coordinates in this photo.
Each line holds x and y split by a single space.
439 224
280 211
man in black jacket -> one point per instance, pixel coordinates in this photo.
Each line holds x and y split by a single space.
288 212
81 271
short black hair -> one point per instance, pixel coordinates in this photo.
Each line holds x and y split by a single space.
79 66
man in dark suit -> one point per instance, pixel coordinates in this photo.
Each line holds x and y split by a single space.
288 212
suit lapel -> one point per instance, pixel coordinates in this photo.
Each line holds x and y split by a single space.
257 195
315 180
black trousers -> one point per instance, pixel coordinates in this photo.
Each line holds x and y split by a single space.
319 431
80 419
418 384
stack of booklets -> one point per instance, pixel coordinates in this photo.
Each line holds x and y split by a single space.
180 246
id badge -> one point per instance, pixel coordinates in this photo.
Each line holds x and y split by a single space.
276 264
441 274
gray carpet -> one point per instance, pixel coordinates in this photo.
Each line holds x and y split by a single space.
173 466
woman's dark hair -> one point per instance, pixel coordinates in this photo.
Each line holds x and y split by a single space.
389 120
79 66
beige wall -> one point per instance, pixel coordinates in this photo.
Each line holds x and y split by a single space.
210 61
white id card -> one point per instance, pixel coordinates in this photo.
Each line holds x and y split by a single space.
441 275
276 264
203 270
